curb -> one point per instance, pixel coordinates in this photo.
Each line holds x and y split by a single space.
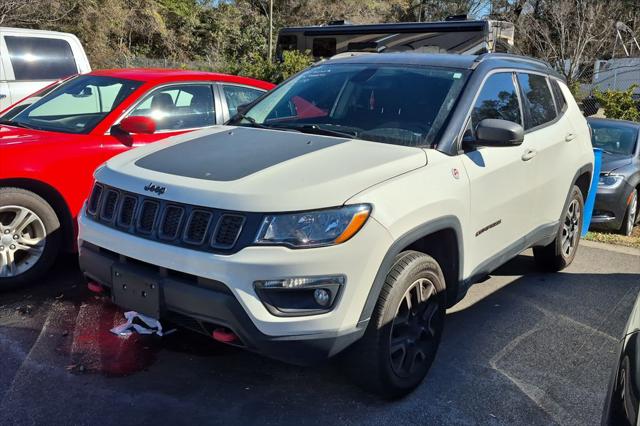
611 247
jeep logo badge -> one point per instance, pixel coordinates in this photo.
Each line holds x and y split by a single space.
155 188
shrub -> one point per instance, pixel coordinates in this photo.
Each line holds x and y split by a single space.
257 66
619 103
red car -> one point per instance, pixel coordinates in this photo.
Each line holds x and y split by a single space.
49 149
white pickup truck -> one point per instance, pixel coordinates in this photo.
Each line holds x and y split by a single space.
345 210
33 59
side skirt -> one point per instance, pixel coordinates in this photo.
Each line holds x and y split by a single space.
540 236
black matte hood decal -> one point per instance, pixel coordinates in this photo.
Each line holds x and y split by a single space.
234 154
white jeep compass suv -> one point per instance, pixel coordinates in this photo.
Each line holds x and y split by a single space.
346 209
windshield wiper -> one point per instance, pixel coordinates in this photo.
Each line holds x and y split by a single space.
316 129
241 116
15 124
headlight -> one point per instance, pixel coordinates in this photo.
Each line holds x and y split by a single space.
610 181
314 229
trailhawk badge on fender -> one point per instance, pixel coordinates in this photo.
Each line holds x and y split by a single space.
155 188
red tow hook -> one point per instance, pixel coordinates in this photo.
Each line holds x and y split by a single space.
95 287
224 335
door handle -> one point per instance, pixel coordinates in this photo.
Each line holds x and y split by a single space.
569 137
529 154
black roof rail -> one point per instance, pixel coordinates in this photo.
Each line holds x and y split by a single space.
487 56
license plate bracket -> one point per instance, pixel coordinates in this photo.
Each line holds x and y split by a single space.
136 291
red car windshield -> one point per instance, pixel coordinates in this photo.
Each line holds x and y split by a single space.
78 105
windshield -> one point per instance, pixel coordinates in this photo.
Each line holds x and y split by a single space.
400 105
15 109
614 138
78 105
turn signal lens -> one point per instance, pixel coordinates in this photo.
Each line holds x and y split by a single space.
354 226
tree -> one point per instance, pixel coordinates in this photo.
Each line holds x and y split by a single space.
569 34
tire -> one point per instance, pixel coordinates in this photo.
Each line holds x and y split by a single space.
557 255
630 215
385 368
28 247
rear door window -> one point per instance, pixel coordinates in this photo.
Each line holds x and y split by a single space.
538 100
239 95
498 98
40 58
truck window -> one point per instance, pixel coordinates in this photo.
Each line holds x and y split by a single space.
498 98
40 58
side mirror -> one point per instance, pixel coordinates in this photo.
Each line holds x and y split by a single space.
495 132
138 124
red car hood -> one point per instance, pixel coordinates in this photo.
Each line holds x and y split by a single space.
10 135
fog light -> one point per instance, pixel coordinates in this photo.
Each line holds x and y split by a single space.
322 297
300 295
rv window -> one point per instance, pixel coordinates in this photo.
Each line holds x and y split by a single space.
324 47
287 42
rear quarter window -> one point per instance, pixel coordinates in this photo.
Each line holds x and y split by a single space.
40 58
561 102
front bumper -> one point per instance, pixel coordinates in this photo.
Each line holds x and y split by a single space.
202 290
610 207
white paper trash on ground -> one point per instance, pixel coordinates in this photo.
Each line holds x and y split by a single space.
144 325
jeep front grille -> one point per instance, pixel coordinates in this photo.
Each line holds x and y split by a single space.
108 206
147 216
196 227
94 199
229 228
170 222
125 217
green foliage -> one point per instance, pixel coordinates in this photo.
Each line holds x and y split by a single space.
576 90
619 103
257 66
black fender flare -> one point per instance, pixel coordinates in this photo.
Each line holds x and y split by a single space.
421 231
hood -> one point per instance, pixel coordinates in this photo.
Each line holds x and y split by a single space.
259 170
611 162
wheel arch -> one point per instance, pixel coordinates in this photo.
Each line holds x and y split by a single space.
55 200
583 180
441 239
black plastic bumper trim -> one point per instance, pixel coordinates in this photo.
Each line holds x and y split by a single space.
210 305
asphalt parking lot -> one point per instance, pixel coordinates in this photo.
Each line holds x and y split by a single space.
522 348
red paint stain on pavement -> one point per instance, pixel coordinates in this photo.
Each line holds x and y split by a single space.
95 349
